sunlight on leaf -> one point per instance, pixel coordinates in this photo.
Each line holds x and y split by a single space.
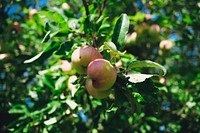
50 121
71 104
59 83
120 30
148 64
71 86
45 53
46 37
137 78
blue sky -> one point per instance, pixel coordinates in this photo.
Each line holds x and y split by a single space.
17 8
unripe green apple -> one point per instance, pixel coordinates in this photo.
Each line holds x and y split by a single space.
82 56
101 77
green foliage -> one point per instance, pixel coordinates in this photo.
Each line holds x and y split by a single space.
120 30
146 63
40 91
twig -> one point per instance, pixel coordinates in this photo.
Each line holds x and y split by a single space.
86 7
104 5
94 39
101 10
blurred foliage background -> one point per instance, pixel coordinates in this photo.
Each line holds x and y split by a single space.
38 97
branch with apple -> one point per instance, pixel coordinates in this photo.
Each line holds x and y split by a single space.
101 75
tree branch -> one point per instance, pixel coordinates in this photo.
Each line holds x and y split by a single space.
86 7
104 5
101 10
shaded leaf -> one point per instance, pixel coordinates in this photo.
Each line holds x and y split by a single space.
153 119
64 48
147 90
138 97
53 16
18 109
120 98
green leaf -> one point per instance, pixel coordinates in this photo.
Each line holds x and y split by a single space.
120 98
60 82
65 48
148 91
48 82
53 16
147 63
45 53
138 97
163 89
18 109
138 17
135 107
72 86
153 119
46 37
55 29
120 30
110 45
54 105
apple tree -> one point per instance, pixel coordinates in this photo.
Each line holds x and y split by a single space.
96 66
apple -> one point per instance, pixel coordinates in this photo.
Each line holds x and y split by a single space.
16 26
101 77
32 12
65 6
3 56
96 93
130 38
66 67
166 44
82 56
155 27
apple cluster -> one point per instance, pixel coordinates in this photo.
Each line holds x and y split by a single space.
101 75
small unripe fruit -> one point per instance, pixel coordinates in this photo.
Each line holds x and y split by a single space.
82 56
101 77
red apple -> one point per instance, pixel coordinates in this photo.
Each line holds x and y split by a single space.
82 56
101 77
